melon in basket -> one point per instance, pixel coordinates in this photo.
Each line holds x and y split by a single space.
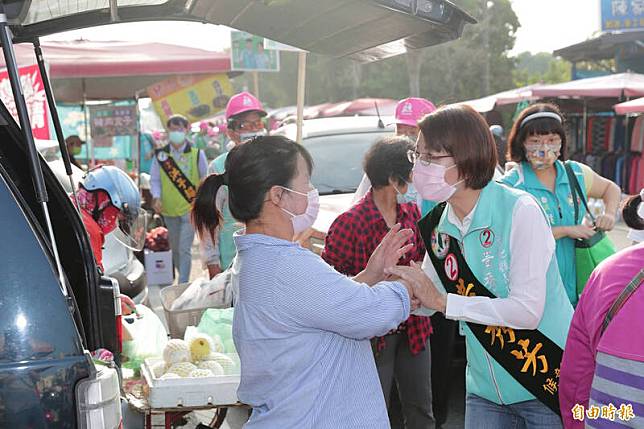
176 351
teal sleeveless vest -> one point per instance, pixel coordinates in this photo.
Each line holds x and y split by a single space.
560 210
486 247
227 249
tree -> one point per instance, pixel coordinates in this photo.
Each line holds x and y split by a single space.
473 66
541 67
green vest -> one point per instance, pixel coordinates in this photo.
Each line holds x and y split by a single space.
227 248
174 204
560 210
486 248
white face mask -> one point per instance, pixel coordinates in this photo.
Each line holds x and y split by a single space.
302 222
244 137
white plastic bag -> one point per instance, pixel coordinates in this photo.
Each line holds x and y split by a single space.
144 336
214 293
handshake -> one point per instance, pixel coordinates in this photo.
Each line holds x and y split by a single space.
421 289
382 266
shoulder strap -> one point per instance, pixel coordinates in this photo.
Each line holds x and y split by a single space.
628 291
529 356
178 179
576 190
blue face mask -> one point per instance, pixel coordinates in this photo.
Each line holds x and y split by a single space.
176 137
411 196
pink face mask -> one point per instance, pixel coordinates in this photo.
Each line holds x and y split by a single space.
429 181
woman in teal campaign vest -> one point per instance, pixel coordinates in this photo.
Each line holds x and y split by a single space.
490 247
537 144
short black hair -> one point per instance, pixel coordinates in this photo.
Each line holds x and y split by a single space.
179 120
387 159
538 126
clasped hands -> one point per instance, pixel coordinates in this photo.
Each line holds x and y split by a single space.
382 266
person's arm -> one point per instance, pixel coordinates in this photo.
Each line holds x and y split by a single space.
313 295
610 193
203 164
523 308
573 231
577 368
339 244
210 255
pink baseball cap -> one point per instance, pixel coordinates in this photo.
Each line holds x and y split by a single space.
410 110
243 102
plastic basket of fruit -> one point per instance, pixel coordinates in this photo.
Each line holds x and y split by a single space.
189 384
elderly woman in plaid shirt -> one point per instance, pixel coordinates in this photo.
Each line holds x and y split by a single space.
403 354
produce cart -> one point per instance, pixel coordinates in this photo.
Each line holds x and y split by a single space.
163 400
136 395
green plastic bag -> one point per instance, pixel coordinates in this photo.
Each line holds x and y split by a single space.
589 253
218 322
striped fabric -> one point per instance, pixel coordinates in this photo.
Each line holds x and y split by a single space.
302 332
617 381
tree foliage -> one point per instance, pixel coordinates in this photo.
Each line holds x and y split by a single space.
541 67
473 66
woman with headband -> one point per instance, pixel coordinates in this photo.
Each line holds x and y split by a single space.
537 143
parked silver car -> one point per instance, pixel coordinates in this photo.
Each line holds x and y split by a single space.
337 146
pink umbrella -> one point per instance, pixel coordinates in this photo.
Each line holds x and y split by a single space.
615 85
362 106
633 106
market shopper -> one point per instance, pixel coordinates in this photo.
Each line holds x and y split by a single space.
408 112
174 177
537 143
244 114
74 146
403 355
491 248
301 328
633 215
603 363
109 200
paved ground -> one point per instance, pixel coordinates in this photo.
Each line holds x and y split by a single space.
457 395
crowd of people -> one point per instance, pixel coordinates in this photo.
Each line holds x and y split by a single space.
451 230
436 236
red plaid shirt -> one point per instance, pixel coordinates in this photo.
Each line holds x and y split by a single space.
353 237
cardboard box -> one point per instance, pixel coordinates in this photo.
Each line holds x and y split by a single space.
158 267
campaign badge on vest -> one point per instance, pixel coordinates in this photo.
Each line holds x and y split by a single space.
440 244
451 267
162 156
487 238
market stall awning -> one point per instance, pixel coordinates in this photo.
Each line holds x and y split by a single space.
366 30
633 106
512 96
84 58
84 69
615 85
602 47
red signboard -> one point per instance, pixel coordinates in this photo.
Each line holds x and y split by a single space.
34 92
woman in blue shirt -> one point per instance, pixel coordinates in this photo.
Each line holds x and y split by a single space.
537 144
301 328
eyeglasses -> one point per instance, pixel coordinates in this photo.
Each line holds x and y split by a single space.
543 141
251 125
424 157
